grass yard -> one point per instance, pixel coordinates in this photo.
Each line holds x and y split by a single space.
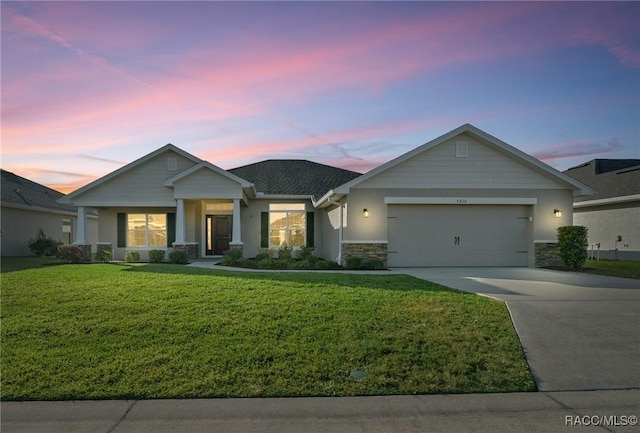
105 331
613 268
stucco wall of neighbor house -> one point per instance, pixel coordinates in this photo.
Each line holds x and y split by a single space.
108 230
20 225
606 223
141 185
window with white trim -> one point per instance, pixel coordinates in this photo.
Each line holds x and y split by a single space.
287 225
146 230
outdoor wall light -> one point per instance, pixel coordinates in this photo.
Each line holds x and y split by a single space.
557 213
365 213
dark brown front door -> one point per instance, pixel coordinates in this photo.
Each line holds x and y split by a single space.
219 229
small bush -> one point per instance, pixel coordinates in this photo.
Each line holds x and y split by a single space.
132 257
266 263
104 256
326 264
156 256
573 244
43 245
71 253
305 253
354 263
232 257
262 255
178 257
284 253
374 264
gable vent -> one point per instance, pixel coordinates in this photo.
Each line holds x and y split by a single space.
462 149
172 164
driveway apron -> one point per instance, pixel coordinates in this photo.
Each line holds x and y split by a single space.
578 331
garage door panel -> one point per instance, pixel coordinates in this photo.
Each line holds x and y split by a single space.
449 235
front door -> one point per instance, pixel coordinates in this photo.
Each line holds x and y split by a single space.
219 230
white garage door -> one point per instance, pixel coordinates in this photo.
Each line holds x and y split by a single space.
462 235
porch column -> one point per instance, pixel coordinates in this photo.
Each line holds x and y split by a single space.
180 222
81 226
237 229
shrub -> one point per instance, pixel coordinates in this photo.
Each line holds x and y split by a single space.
71 253
326 264
305 253
266 263
104 256
374 264
43 245
573 243
232 257
132 257
156 256
178 257
284 253
262 255
354 263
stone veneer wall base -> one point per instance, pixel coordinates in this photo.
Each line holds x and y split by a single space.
547 254
365 251
191 249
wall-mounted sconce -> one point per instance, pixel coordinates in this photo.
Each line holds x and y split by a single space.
365 213
557 213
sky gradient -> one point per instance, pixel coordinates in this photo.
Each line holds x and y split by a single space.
90 86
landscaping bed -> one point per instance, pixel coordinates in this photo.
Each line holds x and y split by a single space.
140 331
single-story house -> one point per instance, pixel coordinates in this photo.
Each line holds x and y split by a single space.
27 207
612 214
463 199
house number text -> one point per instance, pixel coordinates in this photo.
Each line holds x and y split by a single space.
461 201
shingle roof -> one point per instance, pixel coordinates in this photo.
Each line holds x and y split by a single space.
608 177
293 176
20 191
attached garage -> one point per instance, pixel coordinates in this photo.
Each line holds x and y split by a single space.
458 234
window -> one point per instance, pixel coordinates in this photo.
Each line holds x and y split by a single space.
287 225
146 230
66 230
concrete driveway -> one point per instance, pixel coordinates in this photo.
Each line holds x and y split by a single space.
579 332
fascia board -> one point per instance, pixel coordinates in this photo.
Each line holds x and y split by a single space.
606 201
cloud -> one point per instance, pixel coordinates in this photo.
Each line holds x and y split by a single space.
577 148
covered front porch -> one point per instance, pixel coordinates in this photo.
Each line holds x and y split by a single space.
208 227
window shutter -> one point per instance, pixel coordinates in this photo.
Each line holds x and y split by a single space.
310 229
171 229
264 230
122 230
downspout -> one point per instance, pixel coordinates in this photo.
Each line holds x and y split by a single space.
340 234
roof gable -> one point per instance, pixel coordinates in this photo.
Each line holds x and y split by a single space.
465 172
118 175
293 177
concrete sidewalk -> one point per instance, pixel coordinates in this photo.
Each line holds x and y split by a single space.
490 413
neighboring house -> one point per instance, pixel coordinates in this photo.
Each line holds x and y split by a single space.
612 214
463 199
27 207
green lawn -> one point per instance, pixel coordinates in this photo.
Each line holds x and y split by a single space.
106 331
613 268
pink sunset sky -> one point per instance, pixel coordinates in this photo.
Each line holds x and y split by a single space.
90 86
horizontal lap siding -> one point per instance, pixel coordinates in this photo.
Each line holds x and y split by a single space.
485 167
